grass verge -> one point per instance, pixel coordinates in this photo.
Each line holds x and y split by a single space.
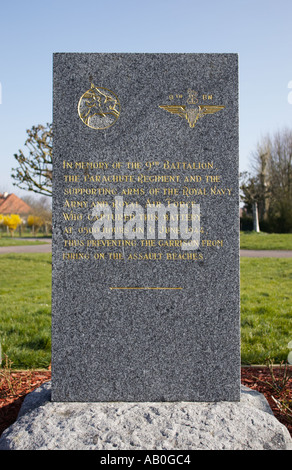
25 309
19 242
265 241
266 307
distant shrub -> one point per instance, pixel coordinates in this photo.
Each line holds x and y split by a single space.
12 222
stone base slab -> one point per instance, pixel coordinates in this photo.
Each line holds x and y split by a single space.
245 425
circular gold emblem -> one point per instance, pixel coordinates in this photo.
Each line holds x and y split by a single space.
99 108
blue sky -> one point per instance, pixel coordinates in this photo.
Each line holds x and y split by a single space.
30 31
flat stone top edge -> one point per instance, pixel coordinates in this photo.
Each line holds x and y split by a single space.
215 54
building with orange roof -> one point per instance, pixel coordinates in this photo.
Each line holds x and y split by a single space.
12 204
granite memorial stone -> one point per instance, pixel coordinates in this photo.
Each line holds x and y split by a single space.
145 228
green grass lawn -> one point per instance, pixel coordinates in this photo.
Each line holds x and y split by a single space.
25 309
265 241
25 233
27 238
266 309
18 242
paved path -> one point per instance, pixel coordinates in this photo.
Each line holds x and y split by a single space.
266 253
47 248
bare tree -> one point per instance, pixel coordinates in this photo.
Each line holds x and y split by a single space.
272 167
34 172
251 196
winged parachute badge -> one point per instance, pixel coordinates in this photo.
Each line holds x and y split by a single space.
191 114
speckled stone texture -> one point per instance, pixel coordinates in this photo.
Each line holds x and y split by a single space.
245 425
181 340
